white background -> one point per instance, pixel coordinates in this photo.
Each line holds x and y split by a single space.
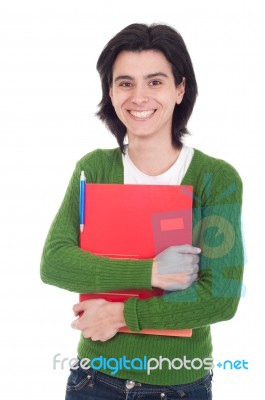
49 91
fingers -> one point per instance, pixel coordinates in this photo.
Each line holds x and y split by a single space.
195 268
194 278
190 259
84 305
176 267
78 308
75 324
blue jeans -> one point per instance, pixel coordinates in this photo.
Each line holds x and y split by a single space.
88 384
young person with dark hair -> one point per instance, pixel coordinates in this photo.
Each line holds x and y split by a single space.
148 93
159 38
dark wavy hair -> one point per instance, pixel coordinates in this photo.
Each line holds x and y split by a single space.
157 37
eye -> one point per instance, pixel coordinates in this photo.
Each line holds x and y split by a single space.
125 84
155 83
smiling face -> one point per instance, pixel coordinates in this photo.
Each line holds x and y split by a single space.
144 94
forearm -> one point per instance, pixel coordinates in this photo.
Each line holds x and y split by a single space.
65 265
202 304
70 268
215 297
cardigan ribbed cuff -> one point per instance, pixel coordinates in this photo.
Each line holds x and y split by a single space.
130 315
130 274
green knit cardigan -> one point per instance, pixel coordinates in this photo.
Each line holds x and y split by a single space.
213 298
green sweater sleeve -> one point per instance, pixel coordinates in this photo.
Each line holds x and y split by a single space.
65 265
217 231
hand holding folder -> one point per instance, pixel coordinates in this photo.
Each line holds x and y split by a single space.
137 222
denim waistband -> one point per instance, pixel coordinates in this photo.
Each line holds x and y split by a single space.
138 387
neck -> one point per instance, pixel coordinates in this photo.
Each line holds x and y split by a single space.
153 158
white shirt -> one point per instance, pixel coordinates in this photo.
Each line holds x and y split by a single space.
173 176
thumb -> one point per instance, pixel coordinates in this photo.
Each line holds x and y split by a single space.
188 249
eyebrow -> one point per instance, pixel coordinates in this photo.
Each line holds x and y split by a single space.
149 76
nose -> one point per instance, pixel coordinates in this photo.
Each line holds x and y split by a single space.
139 95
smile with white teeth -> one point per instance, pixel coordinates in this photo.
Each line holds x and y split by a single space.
142 114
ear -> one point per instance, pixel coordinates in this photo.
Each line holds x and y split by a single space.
110 93
181 91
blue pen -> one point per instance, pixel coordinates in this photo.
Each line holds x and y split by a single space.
82 201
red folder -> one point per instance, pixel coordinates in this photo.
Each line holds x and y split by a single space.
136 221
